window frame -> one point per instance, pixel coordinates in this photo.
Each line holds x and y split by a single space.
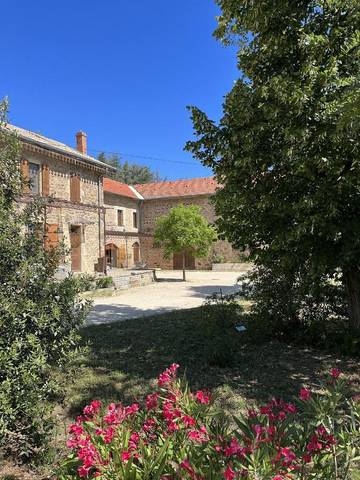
120 212
39 176
135 219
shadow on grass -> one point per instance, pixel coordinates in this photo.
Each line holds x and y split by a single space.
125 357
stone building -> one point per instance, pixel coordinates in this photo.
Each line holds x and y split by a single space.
71 184
102 221
131 213
122 203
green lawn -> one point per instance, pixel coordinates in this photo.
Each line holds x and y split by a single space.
125 357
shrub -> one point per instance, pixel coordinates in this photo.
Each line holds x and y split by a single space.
299 308
85 282
39 316
219 315
181 435
104 282
218 258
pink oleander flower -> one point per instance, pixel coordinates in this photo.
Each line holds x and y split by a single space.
109 434
168 375
314 445
188 421
199 436
125 456
92 409
229 473
132 409
304 394
202 397
335 373
290 408
234 448
76 429
288 455
83 471
152 401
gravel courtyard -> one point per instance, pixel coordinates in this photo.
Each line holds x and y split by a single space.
168 294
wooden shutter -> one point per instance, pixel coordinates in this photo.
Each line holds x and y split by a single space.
51 236
75 188
25 175
45 180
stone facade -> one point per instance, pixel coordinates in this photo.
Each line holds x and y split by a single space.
101 221
79 224
123 247
148 211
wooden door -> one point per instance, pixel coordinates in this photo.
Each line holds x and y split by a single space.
75 244
121 256
178 261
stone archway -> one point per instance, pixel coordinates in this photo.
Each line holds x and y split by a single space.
111 252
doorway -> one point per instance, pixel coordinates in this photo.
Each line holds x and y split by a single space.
75 245
111 252
178 261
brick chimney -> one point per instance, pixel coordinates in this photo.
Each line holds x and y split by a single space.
81 142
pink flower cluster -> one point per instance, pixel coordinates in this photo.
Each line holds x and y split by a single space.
115 435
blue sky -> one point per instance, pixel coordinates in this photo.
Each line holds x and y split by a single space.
123 71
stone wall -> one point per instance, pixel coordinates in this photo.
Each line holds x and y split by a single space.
152 209
126 241
88 213
113 203
59 179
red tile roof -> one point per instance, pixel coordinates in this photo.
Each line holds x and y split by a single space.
178 188
113 186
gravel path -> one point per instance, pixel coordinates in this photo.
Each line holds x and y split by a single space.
168 294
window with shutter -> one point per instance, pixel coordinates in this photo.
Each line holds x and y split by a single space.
45 180
120 218
25 175
34 177
75 188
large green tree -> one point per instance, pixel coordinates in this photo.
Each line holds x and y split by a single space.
287 148
129 173
184 230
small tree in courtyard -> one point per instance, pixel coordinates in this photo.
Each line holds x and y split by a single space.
184 230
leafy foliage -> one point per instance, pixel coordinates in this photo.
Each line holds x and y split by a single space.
177 434
219 316
39 316
286 150
182 230
129 173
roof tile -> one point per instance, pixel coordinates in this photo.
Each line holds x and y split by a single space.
178 188
118 188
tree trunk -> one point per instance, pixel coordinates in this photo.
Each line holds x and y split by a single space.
352 286
183 265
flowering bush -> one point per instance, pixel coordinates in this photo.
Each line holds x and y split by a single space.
178 434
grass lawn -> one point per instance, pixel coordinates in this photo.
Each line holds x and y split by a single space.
125 357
